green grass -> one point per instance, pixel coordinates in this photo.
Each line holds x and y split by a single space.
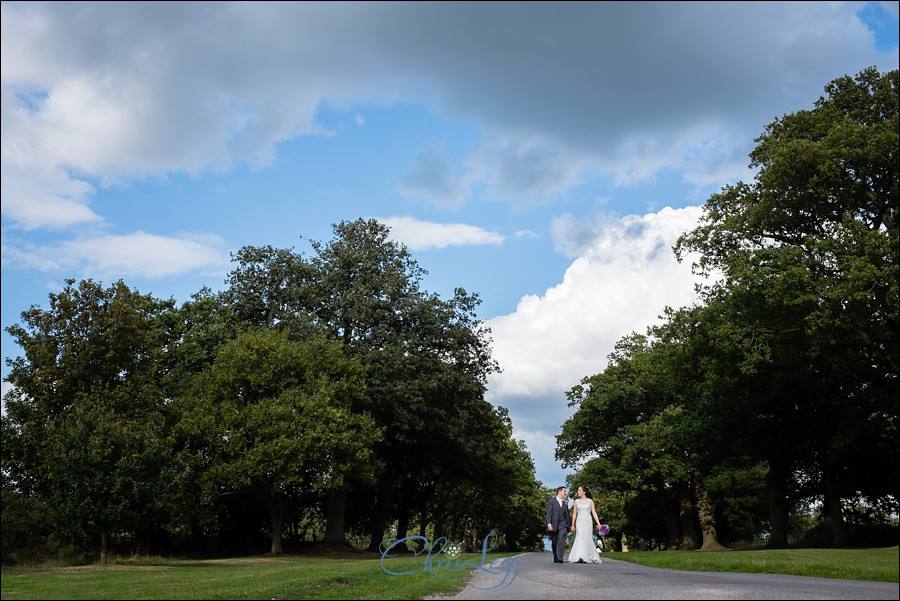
362 577
851 564
267 577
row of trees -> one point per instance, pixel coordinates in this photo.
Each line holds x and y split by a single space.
780 390
320 394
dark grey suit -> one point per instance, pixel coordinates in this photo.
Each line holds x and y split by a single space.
558 517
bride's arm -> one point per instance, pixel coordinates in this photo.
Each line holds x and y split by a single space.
574 515
594 511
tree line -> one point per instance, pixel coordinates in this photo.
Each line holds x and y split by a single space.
315 398
778 391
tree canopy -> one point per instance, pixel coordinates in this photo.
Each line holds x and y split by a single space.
258 411
789 368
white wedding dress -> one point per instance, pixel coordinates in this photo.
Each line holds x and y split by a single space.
584 549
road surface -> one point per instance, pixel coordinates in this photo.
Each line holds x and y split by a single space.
535 576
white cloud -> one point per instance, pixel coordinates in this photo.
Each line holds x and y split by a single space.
425 235
624 275
100 93
108 93
133 255
36 196
623 278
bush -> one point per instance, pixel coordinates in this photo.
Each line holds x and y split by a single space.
33 535
821 536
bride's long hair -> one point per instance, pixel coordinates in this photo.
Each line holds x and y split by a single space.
587 492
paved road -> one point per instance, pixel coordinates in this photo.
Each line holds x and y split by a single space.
535 576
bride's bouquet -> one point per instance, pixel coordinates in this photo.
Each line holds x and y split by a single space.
604 529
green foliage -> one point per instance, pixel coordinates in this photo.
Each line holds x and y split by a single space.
865 527
364 285
270 288
33 533
783 384
271 408
809 257
104 471
83 434
195 332
818 227
426 364
332 377
272 415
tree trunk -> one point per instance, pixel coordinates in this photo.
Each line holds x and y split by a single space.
335 530
103 547
779 508
402 524
454 529
276 520
670 515
686 516
438 524
379 523
706 510
834 511
423 525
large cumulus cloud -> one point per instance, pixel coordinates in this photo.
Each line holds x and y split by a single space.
624 276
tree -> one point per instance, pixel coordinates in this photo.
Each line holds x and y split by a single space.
195 332
823 208
273 417
274 288
808 254
426 359
84 426
666 427
634 426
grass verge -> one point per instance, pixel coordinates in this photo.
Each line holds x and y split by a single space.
266 577
852 564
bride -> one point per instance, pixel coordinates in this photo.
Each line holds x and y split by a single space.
583 549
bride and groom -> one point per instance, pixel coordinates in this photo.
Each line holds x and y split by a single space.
559 525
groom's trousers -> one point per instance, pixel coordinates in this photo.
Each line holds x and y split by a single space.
558 542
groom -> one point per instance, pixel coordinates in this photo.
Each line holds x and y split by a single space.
558 524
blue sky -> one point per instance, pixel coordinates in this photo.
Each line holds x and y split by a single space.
543 155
